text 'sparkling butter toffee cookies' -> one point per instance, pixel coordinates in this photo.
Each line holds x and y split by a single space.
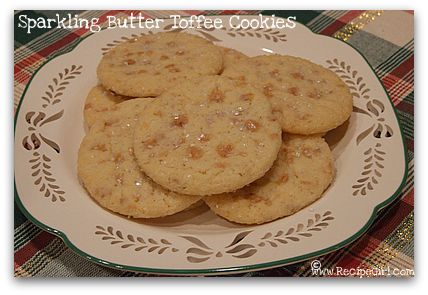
109 172
98 102
207 136
306 98
303 170
149 65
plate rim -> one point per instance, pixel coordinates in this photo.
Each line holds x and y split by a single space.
217 270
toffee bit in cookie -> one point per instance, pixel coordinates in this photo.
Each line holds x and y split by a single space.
315 94
131 151
129 62
268 90
297 75
118 158
102 192
293 90
150 143
168 66
240 81
162 154
179 52
283 179
119 179
274 73
224 150
220 165
164 57
216 95
290 156
203 137
195 153
276 111
179 120
256 198
158 113
251 125
100 147
174 70
247 96
302 116
307 152
111 122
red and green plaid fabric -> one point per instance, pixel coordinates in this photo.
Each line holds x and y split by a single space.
385 38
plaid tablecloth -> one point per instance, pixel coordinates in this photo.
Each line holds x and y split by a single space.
385 38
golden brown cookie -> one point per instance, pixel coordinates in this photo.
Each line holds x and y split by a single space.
307 98
207 136
303 170
98 102
149 65
108 170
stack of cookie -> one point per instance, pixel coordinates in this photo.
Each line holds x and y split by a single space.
177 120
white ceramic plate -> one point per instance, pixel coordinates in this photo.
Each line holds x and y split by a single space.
368 150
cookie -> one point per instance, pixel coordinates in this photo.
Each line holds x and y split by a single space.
108 170
149 65
207 136
231 56
307 98
303 170
98 102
